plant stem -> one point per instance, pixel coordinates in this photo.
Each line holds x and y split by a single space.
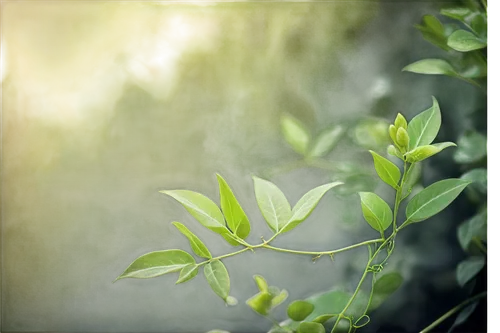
453 311
319 253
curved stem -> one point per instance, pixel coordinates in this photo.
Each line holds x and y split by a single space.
319 253
453 311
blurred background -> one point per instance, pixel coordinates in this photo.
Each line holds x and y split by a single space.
106 103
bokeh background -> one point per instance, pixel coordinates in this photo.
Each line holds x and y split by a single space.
106 103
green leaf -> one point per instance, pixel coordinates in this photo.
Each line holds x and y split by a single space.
232 239
371 134
473 228
469 268
376 211
424 127
261 303
479 24
433 31
384 287
311 327
326 141
431 66
272 204
306 205
236 218
355 183
196 244
423 152
412 178
471 148
386 170
218 278
434 199
157 263
201 208
261 283
464 315
465 41
295 133
458 13
324 318
187 273
299 310
278 299
478 177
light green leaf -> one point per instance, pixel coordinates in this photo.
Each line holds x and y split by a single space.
201 208
218 278
434 199
469 268
473 228
295 133
311 327
236 218
157 263
386 170
261 283
458 13
384 287
355 183
371 134
431 66
326 141
187 273
471 148
299 310
424 127
423 152
232 239
196 244
376 211
261 303
278 299
306 205
272 204
465 41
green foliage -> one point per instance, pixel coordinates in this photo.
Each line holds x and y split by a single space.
469 268
471 148
299 310
236 219
326 140
386 170
311 327
384 287
376 211
465 41
218 278
272 203
295 133
196 244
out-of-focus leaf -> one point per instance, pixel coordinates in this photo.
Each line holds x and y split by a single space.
354 184
432 66
433 31
299 310
463 315
295 133
371 134
471 148
475 227
479 185
261 303
326 140
311 327
465 41
424 127
468 269
384 287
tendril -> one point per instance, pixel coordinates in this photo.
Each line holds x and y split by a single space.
367 320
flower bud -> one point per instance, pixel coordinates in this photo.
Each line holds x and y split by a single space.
402 139
400 121
392 133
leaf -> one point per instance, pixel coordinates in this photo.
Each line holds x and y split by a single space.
384 287
412 178
478 177
311 327
299 310
187 273
295 133
157 263
272 204
261 283
218 278
376 211
471 148
326 141
371 134
465 41
261 303
423 152
278 299
479 24
464 315
431 66
354 184
232 239
304 207
434 199
433 31
236 218
196 244
424 127
473 228
469 268
201 208
324 318
457 13
386 170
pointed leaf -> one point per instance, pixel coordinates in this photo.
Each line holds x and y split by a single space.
299 310
384 287
469 268
236 218
421 153
304 207
463 315
434 199
431 66
196 244
272 203
218 278
157 263
471 148
465 41
187 273
376 211
424 127
311 327
386 170
295 133
326 141
474 228
201 208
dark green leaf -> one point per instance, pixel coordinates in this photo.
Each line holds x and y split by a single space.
474 228
272 203
433 31
326 141
471 148
295 133
376 211
465 41
218 278
384 287
424 127
261 303
157 263
469 268
299 310
386 170
187 273
421 153
236 218
464 315
434 199
196 244
479 25
431 66
311 327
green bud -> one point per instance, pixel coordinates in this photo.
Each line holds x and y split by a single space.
391 150
402 139
261 303
261 283
400 121
392 133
